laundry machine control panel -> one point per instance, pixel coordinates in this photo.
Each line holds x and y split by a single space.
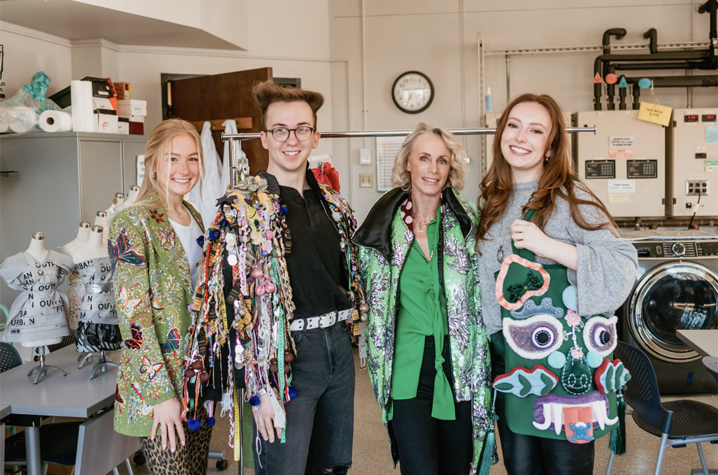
623 163
692 163
676 249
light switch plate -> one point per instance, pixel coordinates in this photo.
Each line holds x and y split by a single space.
366 180
365 156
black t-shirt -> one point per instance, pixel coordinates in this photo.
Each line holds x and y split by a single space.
315 261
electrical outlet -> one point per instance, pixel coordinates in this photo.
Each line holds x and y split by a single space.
696 187
366 180
365 156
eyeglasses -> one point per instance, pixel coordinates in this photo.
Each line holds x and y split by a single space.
281 134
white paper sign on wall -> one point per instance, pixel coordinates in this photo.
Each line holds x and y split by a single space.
140 169
621 186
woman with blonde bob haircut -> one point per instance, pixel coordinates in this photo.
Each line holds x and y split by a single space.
426 344
155 247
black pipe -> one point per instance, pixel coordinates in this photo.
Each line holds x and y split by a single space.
622 95
644 66
711 6
653 42
619 33
610 89
636 97
669 56
678 81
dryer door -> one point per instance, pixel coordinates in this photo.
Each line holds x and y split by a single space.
670 297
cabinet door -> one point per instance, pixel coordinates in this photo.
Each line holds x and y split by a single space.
130 152
100 176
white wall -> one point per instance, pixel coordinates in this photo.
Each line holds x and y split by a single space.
320 41
440 39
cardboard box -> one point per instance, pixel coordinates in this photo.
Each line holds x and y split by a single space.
133 118
106 123
137 128
123 126
123 90
128 107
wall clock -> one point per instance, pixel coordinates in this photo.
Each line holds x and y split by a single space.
412 92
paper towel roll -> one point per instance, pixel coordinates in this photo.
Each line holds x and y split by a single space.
4 126
88 107
56 121
24 119
76 96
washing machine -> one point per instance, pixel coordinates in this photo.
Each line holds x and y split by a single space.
624 163
676 288
692 161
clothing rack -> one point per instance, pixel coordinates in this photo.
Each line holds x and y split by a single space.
240 170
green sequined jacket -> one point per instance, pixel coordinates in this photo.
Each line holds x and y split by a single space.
153 290
384 242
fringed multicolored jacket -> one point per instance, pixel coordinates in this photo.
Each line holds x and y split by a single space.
243 304
384 241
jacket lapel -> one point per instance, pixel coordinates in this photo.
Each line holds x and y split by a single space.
168 246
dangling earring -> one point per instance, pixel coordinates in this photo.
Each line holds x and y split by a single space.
154 174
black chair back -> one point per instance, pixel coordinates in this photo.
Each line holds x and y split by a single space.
68 340
642 393
711 364
9 357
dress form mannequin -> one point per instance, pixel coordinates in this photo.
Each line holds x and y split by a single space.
38 251
83 234
86 260
131 198
34 294
77 288
101 219
117 200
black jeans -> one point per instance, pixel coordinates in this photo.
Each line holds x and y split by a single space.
429 446
528 455
322 412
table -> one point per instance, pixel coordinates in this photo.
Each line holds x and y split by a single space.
705 342
73 395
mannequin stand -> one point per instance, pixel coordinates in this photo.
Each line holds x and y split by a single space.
85 358
42 368
102 365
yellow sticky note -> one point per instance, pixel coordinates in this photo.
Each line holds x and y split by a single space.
655 113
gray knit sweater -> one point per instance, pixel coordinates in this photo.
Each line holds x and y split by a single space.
606 264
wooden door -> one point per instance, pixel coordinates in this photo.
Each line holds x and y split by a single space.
224 96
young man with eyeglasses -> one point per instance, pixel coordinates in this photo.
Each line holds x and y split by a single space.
290 293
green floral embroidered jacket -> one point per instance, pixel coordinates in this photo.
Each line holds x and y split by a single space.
153 291
384 242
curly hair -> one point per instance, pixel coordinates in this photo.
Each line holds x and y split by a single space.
401 177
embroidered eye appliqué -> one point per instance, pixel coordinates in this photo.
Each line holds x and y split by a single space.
599 335
534 338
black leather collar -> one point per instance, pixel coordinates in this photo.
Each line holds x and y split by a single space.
375 231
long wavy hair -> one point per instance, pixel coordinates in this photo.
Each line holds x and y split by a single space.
159 144
558 178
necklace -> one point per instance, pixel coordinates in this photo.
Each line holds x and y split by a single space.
420 223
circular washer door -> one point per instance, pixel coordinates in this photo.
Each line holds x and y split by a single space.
670 297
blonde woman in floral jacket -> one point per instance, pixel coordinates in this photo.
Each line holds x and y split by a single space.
427 350
154 256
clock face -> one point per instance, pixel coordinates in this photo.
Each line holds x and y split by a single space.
413 92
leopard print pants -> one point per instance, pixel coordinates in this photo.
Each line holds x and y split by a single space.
188 460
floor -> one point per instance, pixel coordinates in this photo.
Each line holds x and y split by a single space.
371 452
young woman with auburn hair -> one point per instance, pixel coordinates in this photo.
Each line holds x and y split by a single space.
532 170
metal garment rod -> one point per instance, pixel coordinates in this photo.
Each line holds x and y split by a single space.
389 133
